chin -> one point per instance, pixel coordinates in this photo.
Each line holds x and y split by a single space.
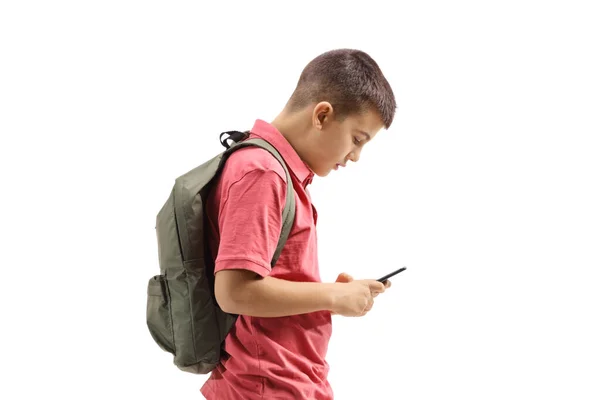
320 172
323 173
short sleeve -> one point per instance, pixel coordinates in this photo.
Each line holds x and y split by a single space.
250 218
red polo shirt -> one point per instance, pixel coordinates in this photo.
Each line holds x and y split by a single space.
270 358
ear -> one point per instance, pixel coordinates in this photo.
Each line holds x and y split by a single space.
322 113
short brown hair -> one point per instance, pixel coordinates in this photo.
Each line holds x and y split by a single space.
350 80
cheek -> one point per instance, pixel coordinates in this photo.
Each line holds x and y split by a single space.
345 146
337 150
334 148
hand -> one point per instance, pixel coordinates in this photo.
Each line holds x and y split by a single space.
355 298
345 278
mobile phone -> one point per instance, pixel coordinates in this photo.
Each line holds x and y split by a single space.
388 276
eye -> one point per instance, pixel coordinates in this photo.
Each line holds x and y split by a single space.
356 140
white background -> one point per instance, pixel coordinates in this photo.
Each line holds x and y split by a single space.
486 187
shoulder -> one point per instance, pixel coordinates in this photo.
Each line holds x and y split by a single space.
252 161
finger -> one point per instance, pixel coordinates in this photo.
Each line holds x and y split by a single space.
344 278
347 277
388 284
376 287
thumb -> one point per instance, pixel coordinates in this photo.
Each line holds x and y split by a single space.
376 287
344 278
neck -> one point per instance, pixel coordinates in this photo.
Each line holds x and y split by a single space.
295 127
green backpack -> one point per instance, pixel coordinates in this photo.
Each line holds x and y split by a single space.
182 314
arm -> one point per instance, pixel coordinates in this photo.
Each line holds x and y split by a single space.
250 220
244 292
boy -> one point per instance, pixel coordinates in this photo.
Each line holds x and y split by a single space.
277 348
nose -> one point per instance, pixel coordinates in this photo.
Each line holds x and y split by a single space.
354 156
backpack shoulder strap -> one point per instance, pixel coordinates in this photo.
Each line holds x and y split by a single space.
290 201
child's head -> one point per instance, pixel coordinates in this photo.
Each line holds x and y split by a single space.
340 102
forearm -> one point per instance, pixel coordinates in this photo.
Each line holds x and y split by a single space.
272 297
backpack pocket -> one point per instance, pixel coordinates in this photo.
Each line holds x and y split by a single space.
158 313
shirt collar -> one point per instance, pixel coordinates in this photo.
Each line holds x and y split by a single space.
268 132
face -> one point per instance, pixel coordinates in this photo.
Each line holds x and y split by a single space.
333 143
